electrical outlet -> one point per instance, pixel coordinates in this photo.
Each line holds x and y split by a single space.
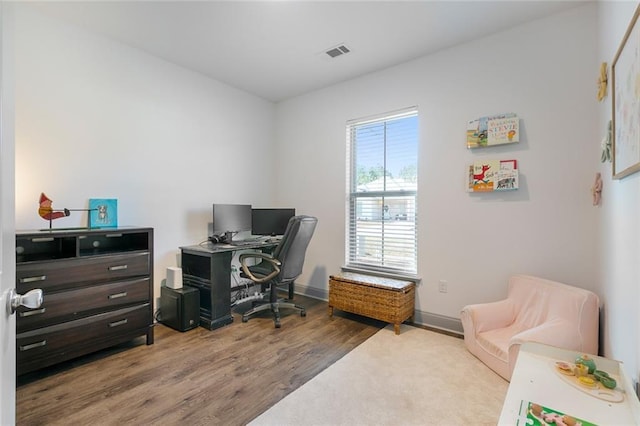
442 286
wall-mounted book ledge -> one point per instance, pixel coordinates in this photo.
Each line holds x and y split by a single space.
493 130
493 175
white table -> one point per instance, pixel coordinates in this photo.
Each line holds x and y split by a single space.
535 379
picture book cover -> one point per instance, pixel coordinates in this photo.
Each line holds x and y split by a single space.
473 133
484 175
503 130
493 130
535 414
103 213
493 175
507 176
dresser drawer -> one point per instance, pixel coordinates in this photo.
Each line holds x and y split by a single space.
69 273
97 292
53 344
82 302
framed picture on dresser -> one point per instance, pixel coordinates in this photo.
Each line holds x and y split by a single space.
103 213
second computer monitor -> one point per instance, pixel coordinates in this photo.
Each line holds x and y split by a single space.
270 221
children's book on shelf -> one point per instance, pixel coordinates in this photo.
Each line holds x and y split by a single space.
493 175
484 172
493 130
507 176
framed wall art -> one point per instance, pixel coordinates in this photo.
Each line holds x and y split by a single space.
103 213
625 95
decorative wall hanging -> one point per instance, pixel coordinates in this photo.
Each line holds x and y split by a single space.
625 95
493 175
494 130
596 190
602 81
606 145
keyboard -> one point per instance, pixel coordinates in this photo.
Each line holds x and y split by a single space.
247 242
242 243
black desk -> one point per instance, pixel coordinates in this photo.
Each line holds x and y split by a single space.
208 268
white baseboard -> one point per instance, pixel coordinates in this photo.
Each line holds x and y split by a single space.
441 322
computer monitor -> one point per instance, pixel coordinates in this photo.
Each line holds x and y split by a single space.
270 221
229 219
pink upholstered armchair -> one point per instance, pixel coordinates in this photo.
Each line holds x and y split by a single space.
535 310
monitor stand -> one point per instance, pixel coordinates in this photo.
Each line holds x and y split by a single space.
228 237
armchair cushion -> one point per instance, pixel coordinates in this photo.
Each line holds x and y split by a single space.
537 310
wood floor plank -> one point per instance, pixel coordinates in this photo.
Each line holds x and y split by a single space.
225 376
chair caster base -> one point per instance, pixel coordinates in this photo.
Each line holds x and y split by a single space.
274 307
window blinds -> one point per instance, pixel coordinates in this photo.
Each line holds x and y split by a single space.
382 192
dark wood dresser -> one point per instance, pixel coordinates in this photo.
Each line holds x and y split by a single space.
97 292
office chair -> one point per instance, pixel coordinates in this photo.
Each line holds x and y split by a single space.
280 268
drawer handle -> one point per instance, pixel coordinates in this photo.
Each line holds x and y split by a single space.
33 345
41 240
34 312
118 323
118 295
117 267
32 279
114 235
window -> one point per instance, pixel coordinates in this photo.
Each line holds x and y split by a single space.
382 170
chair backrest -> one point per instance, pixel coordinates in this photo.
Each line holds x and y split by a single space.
537 300
293 246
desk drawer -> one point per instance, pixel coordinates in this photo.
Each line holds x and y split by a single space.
69 273
53 344
82 302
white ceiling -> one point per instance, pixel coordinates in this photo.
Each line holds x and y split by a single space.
275 49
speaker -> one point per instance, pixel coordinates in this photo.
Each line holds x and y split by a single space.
174 277
180 308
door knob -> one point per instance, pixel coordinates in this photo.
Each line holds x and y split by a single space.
31 299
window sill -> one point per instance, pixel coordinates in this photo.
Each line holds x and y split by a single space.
398 276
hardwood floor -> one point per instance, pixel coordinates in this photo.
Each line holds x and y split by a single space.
226 376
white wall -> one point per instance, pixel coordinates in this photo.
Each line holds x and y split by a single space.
95 118
620 229
545 72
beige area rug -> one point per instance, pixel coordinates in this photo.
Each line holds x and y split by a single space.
417 378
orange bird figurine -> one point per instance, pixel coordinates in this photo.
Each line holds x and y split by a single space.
47 212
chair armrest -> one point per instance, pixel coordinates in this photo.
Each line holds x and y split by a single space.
489 316
556 332
275 264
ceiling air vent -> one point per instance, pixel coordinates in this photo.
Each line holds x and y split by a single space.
337 51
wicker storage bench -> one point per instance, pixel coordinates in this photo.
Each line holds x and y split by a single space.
383 299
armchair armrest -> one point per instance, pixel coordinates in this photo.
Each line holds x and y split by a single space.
556 332
275 264
489 316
